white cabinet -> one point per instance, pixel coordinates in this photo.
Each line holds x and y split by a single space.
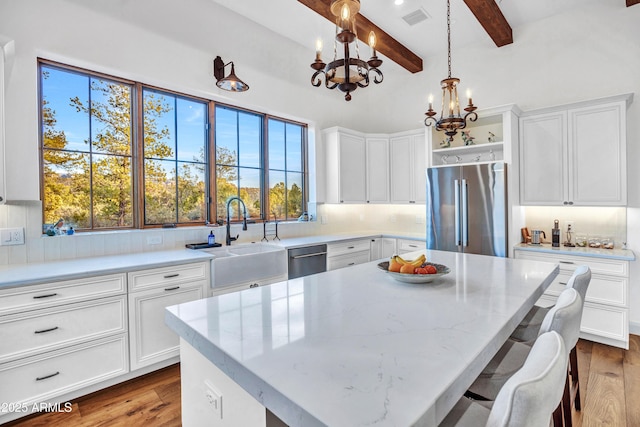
382 248
575 155
357 167
606 309
53 334
377 169
408 245
346 166
407 154
3 193
152 290
345 254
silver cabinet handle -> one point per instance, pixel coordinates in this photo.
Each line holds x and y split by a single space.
308 255
350 247
172 289
352 263
169 276
566 262
42 331
48 376
456 218
44 296
563 283
413 246
464 196
255 285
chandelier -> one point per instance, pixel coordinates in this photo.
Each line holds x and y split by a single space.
453 122
346 74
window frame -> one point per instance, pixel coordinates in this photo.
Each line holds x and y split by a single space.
137 149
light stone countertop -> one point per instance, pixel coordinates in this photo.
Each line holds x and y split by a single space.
621 254
35 273
353 347
296 242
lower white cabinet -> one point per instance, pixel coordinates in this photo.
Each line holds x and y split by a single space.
382 247
407 245
39 378
345 254
54 334
605 318
151 341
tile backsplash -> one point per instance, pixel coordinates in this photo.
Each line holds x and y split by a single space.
330 219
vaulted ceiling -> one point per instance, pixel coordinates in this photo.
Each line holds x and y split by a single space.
410 33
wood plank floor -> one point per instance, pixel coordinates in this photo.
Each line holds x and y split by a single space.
609 387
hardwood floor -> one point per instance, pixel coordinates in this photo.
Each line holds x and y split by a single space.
609 387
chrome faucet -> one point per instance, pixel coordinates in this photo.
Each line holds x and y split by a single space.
244 219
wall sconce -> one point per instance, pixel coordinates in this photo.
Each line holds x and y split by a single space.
231 83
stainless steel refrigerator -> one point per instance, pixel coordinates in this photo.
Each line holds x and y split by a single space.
467 208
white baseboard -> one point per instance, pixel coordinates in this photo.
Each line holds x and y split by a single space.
634 328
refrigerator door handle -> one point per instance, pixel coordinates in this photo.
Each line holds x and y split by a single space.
457 212
464 197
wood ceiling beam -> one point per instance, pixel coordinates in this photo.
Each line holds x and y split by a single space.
632 2
493 21
385 44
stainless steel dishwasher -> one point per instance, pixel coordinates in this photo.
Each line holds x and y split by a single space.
307 260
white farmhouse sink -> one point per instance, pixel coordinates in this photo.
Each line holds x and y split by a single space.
237 264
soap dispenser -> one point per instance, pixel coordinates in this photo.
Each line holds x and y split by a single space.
555 234
212 239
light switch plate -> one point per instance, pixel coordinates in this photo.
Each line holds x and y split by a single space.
11 236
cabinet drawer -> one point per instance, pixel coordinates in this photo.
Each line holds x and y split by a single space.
606 322
335 249
158 277
334 263
570 262
49 329
609 290
405 246
25 298
52 374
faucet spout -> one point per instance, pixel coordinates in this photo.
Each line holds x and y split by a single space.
229 239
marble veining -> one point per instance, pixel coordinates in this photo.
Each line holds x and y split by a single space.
355 347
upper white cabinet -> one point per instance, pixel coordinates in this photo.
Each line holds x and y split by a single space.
357 167
575 155
377 153
407 155
3 194
346 166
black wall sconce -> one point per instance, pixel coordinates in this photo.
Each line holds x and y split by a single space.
231 82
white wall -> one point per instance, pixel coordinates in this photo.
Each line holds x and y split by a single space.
592 52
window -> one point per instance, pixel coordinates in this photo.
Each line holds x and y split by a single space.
175 164
87 149
120 154
286 166
239 160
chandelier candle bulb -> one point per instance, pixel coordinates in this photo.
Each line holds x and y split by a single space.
372 43
318 49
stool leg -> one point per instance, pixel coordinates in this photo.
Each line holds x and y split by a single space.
575 380
566 403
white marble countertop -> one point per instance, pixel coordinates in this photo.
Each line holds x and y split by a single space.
621 254
35 273
353 347
295 242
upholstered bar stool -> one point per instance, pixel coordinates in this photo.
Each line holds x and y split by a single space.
527 398
563 318
529 328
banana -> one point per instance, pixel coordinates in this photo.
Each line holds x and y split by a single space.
399 260
418 261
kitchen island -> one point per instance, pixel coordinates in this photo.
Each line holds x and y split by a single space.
351 347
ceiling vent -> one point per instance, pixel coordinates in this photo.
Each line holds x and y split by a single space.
416 17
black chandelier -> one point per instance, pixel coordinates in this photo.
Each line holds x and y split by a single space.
346 74
454 121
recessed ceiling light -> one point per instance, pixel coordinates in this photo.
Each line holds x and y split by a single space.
398 2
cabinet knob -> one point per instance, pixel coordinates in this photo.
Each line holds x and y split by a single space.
255 285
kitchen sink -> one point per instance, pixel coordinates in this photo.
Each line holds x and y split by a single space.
237 264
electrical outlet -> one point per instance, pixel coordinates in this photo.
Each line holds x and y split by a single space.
214 398
11 236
